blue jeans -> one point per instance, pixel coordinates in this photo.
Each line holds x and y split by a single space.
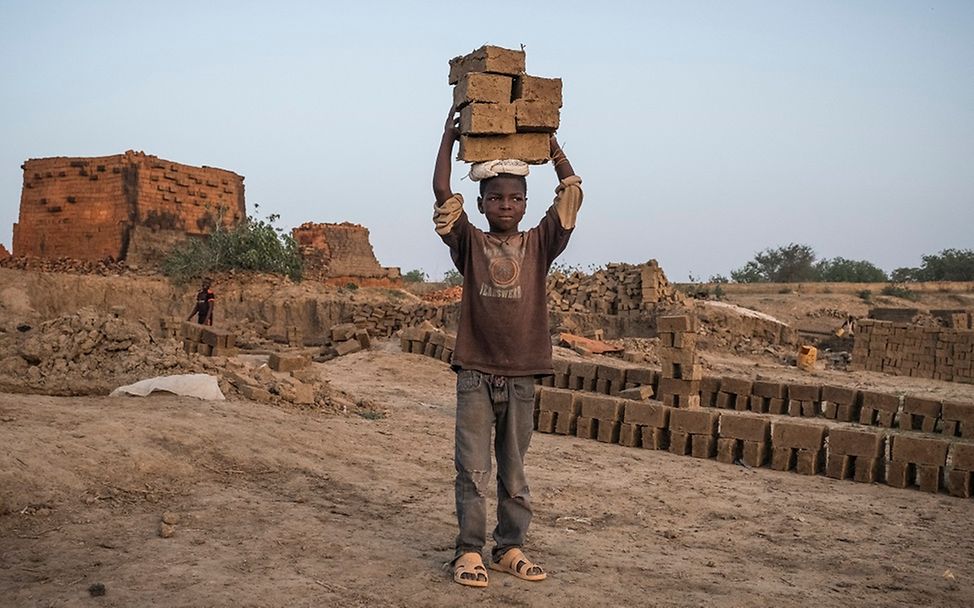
485 401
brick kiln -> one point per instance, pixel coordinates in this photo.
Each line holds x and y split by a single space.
341 253
130 206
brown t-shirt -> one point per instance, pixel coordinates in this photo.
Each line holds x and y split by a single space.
503 326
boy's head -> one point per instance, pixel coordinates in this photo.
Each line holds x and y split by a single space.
503 199
206 282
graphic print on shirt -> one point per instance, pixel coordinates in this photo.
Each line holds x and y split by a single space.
504 258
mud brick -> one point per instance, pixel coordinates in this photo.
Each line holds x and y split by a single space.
189 347
829 410
675 324
602 386
655 439
920 414
544 381
535 88
487 119
647 413
476 87
640 393
958 419
684 340
959 483
808 462
630 435
900 474
838 394
767 389
562 368
782 459
682 401
214 336
429 349
757 403
346 331
436 338
728 450
364 340
224 351
797 435
487 58
703 446
255 393
847 412
546 422
353 346
642 376
708 399
747 428
608 431
694 422
962 456
532 148
754 453
676 386
558 400
285 363
603 408
540 116
725 401
920 450
192 331
865 470
679 443
736 386
586 428
710 384
447 355
583 375
880 401
805 409
777 406
611 373
928 477
804 392
855 442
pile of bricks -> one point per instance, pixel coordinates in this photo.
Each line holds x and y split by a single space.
504 113
910 350
618 289
679 383
841 451
429 341
207 340
955 318
339 252
344 339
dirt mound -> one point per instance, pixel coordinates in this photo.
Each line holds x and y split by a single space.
87 353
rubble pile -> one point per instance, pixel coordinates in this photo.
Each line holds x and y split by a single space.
88 353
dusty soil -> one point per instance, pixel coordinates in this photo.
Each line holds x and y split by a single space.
287 507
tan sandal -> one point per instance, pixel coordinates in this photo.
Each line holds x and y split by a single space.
468 570
515 563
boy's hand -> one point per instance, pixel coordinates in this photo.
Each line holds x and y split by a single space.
451 130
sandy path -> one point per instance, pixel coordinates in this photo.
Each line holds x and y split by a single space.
295 508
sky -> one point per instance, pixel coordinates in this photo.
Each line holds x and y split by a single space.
703 131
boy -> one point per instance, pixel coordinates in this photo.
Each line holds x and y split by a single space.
205 301
503 344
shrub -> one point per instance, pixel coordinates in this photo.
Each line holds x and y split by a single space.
251 245
415 276
453 277
900 292
865 295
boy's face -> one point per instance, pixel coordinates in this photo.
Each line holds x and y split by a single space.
503 202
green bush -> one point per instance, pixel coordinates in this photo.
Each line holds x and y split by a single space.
251 245
866 295
415 276
900 292
453 277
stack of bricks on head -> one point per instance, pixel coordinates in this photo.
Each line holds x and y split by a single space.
504 113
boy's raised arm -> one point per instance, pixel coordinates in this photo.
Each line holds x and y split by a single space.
563 168
441 170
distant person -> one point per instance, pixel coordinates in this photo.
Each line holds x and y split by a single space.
503 345
205 301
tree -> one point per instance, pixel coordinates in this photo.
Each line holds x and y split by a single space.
415 276
792 263
841 270
452 277
948 265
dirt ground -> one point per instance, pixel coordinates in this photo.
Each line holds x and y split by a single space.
289 507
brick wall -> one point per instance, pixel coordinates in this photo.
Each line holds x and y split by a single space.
339 250
911 350
88 208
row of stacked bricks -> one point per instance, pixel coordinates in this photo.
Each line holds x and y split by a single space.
756 440
207 340
911 350
679 383
504 113
843 404
384 319
427 341
604 378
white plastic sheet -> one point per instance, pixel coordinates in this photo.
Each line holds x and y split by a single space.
201 386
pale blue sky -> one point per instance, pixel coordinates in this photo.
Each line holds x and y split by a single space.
704 131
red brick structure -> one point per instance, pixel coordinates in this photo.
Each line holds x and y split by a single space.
339 253
121 206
